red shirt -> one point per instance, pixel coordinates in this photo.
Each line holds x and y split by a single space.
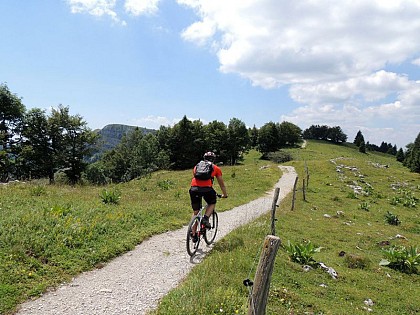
208 182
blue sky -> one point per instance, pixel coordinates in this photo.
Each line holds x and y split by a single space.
354 64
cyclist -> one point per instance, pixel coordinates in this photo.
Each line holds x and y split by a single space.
203 188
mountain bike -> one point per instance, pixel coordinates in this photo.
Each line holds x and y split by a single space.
200 230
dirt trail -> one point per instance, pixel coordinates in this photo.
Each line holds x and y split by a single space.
134 282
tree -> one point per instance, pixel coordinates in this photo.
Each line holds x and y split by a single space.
336 135
323 133
11 114
71 140
268 138
289 134
184 150
144 155
362 146
238 140
253 136
37 155
359 138
412 160
383 147
216 140
400 155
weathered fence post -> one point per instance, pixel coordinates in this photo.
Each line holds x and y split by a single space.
307 174
294 193
273 211
258 298
304 190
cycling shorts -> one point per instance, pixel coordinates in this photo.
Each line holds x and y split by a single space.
199 193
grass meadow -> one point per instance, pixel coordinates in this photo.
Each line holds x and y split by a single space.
50 233
347 200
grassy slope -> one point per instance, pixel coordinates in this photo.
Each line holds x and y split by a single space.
215 286
50 233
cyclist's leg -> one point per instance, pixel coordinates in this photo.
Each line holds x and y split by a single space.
211 198
195 197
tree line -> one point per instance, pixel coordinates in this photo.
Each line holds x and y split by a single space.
37 144
410 157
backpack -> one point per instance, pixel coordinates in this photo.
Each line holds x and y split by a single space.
203 170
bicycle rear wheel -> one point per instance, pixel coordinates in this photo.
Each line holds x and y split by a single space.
191 246
210 234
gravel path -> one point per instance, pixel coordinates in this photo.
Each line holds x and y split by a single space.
134 282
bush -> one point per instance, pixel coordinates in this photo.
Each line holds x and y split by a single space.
38 190
356 261
302 253
61 178
402 259
95 174
110 197
279 156
392 219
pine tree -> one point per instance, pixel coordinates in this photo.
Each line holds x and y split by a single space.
359 138
400 155
412 160
362 147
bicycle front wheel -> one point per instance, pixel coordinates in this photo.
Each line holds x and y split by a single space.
211 233
191 246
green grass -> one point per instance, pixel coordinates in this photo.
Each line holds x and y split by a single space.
216 285
49 233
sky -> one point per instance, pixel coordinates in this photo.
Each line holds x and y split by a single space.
353 64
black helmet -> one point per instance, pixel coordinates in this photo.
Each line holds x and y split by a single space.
209 156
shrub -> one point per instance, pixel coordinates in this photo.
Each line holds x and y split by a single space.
392 219
302 253
110 197
279 156
61 178
38 190
402 259
364 206
165 184
356 261
95 174
405 198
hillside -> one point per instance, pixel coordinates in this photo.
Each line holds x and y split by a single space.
51 233
111 135
346 215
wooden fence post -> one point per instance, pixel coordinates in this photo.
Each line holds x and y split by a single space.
294 193
258 298
304 190
273 211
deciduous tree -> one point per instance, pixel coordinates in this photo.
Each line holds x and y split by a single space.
11 115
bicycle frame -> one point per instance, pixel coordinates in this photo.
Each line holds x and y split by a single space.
196 227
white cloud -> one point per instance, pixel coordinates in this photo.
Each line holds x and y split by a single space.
332 55
199 32
397 121
96 8
93 7
367 88
154 122
108 8
416 62
274 42
141 7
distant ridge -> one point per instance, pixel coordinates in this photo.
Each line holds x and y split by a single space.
111 135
